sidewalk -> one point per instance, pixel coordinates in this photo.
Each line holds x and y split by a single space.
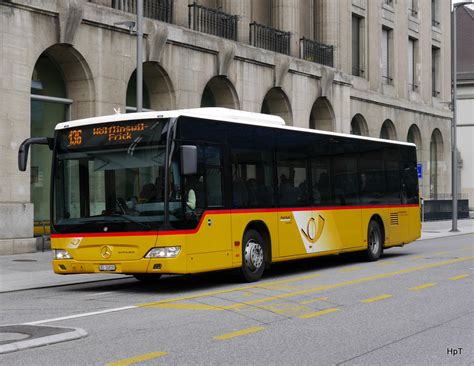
437 229
33 270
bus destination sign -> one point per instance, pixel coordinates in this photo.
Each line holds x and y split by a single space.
111 134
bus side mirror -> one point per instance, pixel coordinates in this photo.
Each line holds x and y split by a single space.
189 158
25 146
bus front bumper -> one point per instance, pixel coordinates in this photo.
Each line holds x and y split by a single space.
144 265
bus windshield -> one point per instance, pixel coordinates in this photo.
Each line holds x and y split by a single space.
110 177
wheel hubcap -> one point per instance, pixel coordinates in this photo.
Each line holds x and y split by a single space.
253 255
374 241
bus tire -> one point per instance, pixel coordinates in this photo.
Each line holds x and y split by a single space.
253 256
147 277
374 241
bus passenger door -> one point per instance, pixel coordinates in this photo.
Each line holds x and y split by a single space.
208 244
294 204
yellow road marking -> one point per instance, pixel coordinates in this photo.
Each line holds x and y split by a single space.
352 269
416 257
238 333
186 306
243 288
344 284
421 287
458 277
136 359
311 290
314 300
288 309
377 298
319 313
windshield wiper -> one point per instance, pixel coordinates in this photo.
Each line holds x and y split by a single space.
122 215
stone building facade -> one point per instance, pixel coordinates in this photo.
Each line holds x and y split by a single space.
465 101
379 68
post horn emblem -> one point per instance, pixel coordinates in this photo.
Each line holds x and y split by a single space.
314 230
106 252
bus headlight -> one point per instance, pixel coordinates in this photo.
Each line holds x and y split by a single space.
163 252
61 254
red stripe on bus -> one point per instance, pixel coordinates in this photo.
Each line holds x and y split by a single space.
220 212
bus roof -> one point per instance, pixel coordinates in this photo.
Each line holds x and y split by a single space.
215 113
218 114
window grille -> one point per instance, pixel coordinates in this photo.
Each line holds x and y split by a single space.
316 52
154 9
212 21
269 38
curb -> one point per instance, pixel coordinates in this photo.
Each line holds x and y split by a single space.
62 335
443 235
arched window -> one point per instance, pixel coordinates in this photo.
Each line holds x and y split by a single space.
276 102
322 115
414 136
131 102
359 126
219 92
436 153
388 131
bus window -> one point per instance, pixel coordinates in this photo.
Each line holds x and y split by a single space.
345 180
372 177
321 182
214 187
210 166
293 187
408 174
251 179
392 175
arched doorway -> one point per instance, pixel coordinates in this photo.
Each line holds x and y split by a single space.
436 154
414 136
322 115
277 103
388 131
219 92
62 88
46 83
131 101
157 91
359 126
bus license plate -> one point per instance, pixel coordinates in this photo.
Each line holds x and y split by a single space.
107 267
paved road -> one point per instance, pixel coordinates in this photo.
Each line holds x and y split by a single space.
415 306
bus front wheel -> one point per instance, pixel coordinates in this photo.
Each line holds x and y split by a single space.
374 241
253 256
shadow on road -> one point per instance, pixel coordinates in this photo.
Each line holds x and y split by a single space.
215 281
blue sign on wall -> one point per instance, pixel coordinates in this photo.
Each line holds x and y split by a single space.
419 168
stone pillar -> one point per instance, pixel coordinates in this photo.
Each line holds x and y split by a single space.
242 9
285 18
328 26
16 210
180 12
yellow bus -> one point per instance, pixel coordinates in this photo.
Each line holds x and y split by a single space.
197 190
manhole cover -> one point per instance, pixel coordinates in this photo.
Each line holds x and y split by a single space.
25 260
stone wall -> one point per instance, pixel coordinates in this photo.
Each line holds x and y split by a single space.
97 58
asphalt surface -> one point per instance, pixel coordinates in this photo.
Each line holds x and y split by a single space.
413 307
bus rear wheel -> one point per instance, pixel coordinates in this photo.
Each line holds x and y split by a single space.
253 256
374 241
